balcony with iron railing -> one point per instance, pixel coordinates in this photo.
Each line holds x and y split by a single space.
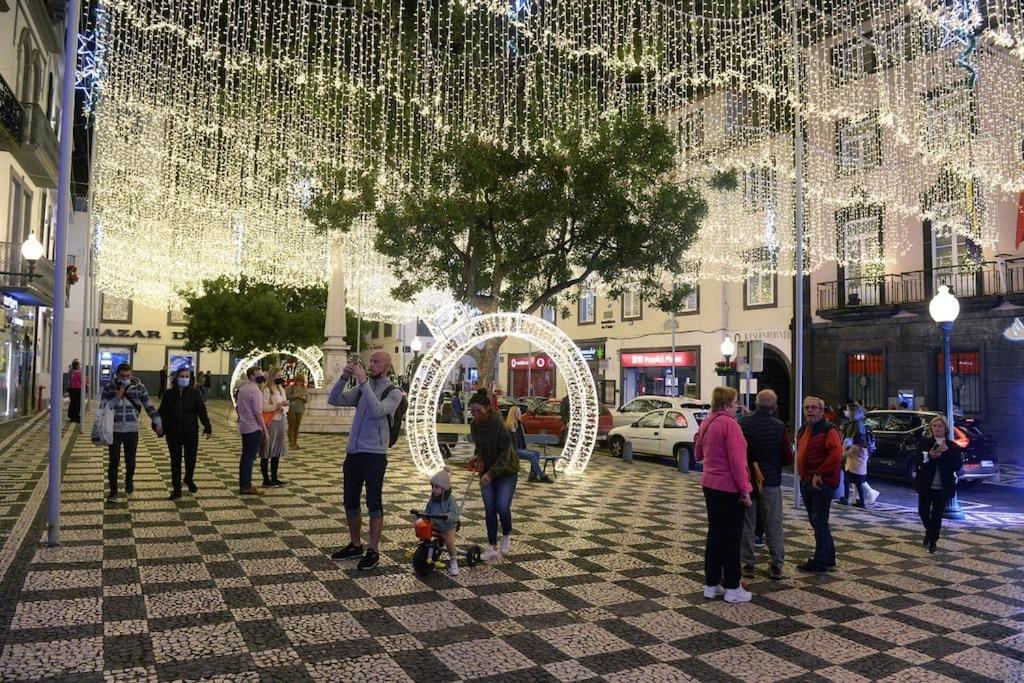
39 151
35 291
11 118
1000 279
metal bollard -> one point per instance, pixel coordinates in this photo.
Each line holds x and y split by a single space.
627 451
684 460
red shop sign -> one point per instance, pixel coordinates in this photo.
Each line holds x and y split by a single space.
530 362
659 359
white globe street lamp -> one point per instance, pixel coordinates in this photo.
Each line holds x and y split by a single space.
32 249
944 309
416 345
727 348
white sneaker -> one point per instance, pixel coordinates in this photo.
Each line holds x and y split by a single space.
490 554
712 592
453 568
740 594
506 545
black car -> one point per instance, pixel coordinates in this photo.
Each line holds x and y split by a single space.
897 433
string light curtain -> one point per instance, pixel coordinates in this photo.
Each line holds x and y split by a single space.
217 121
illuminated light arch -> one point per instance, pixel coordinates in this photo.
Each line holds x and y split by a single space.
310 357
462 333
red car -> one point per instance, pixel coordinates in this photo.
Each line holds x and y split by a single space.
546 418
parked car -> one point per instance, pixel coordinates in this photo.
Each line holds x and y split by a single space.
546 418
504 403
896 437
531 401
632 411
667 432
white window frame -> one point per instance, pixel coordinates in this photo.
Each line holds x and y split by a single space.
549 314
947 114
632 306
691 304
950 250
587 309
738 113
760 288
849 60
858 145
860 235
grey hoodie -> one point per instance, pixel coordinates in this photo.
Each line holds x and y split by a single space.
370 430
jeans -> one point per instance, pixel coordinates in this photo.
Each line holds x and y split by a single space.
187 442
931 503
533 457
725 529
131 445
497 498
360 469
768 506
250 449
818 502
855 479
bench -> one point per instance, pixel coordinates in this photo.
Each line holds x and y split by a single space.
545 440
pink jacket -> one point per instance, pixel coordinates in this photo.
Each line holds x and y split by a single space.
722 448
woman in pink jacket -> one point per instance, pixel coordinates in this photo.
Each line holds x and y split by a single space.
726 481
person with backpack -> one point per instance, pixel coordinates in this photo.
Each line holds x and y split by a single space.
379 408
856 451
818 462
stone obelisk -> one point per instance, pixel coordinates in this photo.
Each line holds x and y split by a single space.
321 417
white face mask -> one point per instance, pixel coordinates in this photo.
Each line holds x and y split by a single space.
182 382
847 413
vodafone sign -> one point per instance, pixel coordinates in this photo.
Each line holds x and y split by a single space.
541 362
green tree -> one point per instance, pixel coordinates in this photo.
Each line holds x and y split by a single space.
510 230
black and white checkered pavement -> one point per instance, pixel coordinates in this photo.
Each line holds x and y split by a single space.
604 583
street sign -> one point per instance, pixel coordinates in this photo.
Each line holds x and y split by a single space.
749 353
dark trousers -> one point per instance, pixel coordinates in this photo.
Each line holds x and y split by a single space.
725 531
250 449
177 444
931 503
497 498
857 480
363 469
818 502
131 446
75 405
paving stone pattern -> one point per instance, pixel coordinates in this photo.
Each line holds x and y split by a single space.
604 583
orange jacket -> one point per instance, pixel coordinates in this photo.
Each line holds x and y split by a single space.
819 451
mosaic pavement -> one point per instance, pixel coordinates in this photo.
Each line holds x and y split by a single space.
604 584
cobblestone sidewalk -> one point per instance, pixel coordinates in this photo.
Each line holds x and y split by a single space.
604 583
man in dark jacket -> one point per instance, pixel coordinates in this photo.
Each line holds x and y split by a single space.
819 455
181 411
768 448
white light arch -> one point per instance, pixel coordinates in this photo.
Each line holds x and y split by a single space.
309 357
465 333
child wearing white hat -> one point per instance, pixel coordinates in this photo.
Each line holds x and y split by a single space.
442 503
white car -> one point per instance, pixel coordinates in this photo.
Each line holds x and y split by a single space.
668 432
632 411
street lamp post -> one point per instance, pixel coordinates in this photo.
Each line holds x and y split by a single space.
727 348
944 309
31 251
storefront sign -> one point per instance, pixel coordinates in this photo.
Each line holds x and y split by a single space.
653 359
10 303
764 335
592 352
122 332
538 362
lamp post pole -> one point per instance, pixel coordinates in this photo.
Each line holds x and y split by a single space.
944 309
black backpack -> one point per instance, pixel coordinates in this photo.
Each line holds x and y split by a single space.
395 421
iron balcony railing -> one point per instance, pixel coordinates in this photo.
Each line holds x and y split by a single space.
990 278
40 288
12 115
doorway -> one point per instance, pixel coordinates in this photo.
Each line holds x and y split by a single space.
775 376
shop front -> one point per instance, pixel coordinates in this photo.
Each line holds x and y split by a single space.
650 372
531 375
595 353
17 353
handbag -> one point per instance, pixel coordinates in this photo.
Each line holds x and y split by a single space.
103 426
268 417
757 478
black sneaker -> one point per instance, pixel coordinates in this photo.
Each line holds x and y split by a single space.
278 483
349 552
175 495
128 489
810 566
192 488
758 541
777 574
267 484
545 479
533 477
370 559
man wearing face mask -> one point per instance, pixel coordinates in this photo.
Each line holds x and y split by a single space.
128 397
181 410
249 406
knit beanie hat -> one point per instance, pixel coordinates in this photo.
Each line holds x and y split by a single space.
442 479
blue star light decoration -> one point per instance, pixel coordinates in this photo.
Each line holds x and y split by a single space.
959 24
91 63
518 12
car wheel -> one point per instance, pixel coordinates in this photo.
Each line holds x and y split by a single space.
681 451
617 445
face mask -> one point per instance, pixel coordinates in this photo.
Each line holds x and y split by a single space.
121 382
182 382
279 381
261 379
846 413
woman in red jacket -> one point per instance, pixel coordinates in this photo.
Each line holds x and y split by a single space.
726 482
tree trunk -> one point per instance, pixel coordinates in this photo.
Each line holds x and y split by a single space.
485 361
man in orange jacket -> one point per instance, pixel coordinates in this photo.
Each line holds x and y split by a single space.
818 459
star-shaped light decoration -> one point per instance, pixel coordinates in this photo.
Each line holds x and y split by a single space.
960 24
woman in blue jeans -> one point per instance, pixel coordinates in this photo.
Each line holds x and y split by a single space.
514 422
499 472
